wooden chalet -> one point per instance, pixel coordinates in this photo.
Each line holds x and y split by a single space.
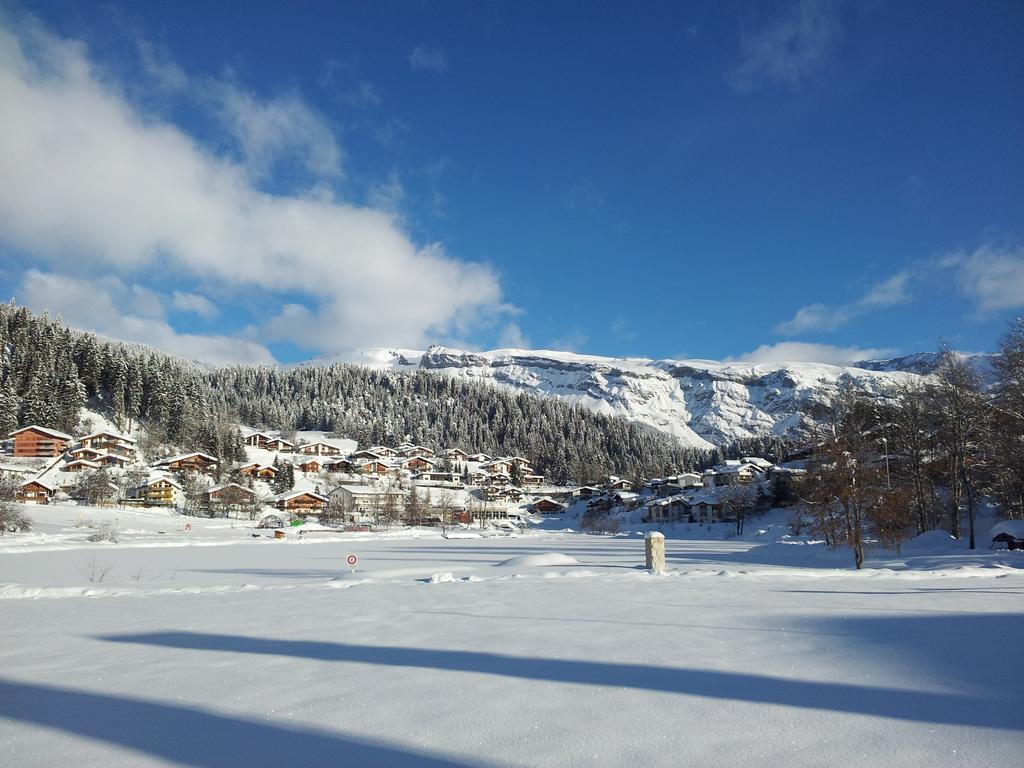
84 453
35 441
379 451
339 465
80 465
113 460
479 458
278 444
546 505
257 439
369 454
455 454
301 501
618 484
35 492
375 467
109 441
417 464
229 495
533 480
194 462
586 492
415 450
319 448
310 466
259 471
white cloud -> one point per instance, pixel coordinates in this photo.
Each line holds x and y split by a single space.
789 48
573 341
271 130
91 181
992 275
802 352
817 317
113 308
193 302
425 59
512 337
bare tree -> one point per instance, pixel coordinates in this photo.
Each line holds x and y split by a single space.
741 500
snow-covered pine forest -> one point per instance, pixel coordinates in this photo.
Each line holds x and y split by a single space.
49 372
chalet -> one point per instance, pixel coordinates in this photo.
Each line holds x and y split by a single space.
380 452
367 499
158 492
705 508
626 499
195 462
447 479
519 461
319 448
546 505
113 460
15 470
371 454
259 471
417 464
618 484
339 465
229 495
408 451
533 480
670 509
301 501
278 444
497 466
310 466
680 482
258 439
376 467
785 483
586 492
479 458
37 441
501 493
86 454
35 492
499 479
109 441
476 477
455 454
80 465
734 472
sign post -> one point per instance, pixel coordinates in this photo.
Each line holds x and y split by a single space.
352 560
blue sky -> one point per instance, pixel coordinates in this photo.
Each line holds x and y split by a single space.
767 181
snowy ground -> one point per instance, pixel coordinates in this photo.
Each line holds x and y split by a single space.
213 648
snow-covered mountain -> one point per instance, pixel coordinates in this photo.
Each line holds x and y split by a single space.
701 402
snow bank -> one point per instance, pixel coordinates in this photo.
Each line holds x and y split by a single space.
536 561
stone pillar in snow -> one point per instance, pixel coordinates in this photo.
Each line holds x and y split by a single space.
654 546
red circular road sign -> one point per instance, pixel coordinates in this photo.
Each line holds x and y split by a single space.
352 559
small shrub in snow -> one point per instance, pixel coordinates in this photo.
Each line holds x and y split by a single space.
95 572
105 532
13 520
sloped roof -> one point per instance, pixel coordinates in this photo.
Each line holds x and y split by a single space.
51 432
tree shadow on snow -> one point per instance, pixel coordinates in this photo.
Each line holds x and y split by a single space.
994 704
197 737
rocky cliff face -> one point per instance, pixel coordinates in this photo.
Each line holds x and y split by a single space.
700 402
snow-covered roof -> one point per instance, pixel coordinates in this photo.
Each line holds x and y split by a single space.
160 479
51 432
757 461
82 463
222 486
296 493
43 483
109 433
183 456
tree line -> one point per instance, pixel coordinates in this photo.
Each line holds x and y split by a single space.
925 457
49 372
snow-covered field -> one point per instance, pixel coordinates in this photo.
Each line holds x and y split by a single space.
213 648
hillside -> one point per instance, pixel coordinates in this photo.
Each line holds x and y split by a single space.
701 403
